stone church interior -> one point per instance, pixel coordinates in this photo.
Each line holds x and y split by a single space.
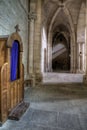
43 64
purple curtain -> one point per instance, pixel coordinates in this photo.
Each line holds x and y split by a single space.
14 60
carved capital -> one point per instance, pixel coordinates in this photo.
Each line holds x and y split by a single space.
32 15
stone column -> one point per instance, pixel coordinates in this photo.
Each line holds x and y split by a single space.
78 57
32 17
75 50
45 60
74 59
84 57
37 42
81 57
81 54
85 77
50 52
71 58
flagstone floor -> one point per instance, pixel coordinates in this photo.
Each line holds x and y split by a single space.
53 107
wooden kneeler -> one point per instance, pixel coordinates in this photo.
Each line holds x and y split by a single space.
18 111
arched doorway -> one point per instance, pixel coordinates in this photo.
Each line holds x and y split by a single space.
60 53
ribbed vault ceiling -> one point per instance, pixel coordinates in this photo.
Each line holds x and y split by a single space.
51 6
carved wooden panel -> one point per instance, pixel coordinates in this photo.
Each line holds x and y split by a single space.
22 81
4 92
3 52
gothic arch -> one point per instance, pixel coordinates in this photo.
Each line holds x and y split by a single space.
72 35
13 37
66 11
65 36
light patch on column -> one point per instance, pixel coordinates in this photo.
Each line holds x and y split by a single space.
44 45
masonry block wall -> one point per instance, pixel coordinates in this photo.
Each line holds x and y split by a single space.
13 12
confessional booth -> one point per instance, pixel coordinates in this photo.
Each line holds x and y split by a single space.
11 74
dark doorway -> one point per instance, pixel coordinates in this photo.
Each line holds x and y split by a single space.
60 55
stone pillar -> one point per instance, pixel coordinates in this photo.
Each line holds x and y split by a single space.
84 60
71 58
81 57
37 43
32 17
78 57
50 58
50 52
85 77
75 50
45 60
74 59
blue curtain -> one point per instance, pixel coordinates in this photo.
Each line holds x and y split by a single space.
14 60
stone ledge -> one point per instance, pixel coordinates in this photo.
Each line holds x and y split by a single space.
62 78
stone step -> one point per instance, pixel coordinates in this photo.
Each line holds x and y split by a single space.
62 78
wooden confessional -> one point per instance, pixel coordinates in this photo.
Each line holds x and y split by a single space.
11 89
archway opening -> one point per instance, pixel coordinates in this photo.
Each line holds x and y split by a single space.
60 53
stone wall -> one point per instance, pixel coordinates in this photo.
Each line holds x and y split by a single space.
13 12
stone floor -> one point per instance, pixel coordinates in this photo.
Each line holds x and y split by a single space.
53 107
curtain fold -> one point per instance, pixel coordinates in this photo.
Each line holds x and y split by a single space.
14 61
